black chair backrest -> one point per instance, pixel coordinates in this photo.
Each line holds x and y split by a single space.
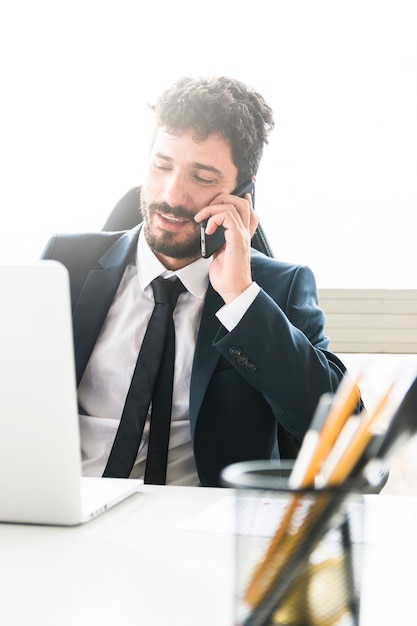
126 214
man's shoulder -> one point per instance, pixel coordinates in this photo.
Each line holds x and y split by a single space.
85 244
82 252
262 262
270 272
101 238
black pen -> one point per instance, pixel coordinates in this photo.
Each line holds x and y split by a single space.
402 426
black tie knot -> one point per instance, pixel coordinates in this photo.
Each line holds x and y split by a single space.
166 291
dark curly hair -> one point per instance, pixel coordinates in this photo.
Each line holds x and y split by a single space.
222 106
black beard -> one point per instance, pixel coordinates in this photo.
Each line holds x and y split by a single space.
164 243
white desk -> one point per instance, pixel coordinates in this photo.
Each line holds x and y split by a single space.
131 566
136 566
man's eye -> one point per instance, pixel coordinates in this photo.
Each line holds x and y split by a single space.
203 181
165 168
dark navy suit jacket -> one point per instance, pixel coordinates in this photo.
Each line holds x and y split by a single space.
273 367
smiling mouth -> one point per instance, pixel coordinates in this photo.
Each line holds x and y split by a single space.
171 218
171 223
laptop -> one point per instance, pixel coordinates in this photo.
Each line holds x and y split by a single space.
40 456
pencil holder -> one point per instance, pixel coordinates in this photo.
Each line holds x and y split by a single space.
298 552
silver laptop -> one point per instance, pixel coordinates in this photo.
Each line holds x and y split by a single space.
40 458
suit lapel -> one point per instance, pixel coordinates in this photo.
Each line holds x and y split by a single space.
206 357
97 295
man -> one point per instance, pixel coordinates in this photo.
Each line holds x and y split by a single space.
250 343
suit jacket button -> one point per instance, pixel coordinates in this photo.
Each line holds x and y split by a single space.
234 351
251 367
242 359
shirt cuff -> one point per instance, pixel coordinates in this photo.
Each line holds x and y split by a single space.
231 314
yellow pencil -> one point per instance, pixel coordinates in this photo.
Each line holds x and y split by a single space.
345 400
357 445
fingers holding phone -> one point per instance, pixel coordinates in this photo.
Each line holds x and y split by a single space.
210 243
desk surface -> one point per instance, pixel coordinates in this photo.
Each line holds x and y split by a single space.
150 562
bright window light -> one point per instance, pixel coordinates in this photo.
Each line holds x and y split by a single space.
337 187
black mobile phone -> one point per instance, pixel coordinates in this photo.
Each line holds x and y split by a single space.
211 243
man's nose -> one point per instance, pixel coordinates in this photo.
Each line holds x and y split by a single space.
175 191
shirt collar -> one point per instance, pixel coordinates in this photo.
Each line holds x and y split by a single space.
194 276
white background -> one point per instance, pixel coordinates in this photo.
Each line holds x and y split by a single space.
337 187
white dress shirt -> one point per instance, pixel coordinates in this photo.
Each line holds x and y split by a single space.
104 386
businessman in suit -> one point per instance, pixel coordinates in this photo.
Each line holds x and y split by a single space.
251 352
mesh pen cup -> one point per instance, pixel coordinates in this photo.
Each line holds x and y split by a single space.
297 552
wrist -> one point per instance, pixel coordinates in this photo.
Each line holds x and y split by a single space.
230 296
231 314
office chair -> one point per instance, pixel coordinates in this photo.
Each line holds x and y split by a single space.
126 214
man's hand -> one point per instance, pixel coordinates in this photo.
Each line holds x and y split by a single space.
230 271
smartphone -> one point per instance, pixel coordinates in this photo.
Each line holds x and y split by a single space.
211 243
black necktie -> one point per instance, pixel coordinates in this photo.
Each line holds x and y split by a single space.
152 380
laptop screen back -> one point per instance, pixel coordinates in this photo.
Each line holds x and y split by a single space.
40 462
